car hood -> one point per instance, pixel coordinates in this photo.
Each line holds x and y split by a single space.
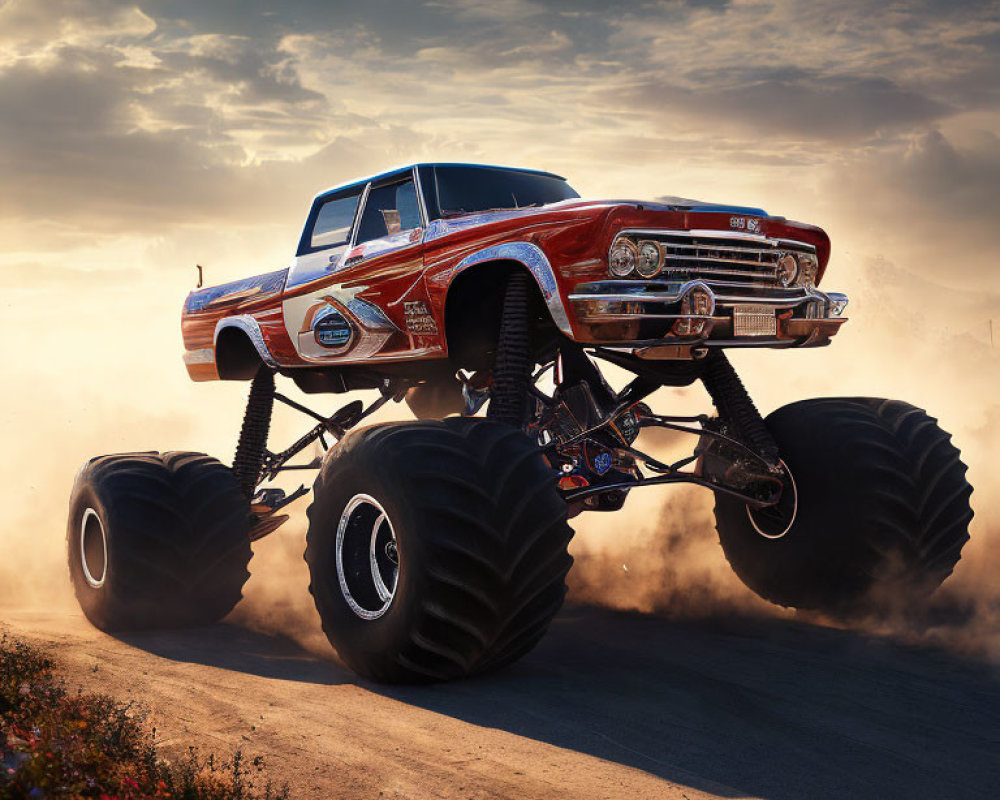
464 221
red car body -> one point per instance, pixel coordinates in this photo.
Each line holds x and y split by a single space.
393 292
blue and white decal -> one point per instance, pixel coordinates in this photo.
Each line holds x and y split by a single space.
331 329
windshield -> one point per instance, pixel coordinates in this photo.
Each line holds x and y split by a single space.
464 190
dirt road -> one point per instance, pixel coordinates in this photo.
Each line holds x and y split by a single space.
611 705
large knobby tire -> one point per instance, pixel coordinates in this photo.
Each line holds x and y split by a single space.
157 540
879 509
467 567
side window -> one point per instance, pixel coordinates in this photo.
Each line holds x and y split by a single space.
333 222
389 209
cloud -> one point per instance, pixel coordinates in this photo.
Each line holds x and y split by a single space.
246 73
70 147
183 113
963 180
491 10
794 105
32 30
88 138
929 202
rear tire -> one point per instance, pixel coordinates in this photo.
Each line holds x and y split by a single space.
157 540
878 517
476 567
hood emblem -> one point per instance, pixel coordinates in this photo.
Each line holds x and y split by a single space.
748 224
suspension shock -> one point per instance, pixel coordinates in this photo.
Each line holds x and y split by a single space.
735 406
250 450
512 369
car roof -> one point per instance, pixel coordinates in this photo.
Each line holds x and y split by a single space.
403 167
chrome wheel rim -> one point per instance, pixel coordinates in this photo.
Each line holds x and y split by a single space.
774 522
93 549
367 557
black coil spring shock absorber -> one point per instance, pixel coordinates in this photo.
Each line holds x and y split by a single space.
512 369
250 450
736 408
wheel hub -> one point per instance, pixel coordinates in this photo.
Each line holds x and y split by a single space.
775 521
367 557
93 549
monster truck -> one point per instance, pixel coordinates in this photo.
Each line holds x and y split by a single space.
437 548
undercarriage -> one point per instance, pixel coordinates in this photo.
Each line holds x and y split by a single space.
586 431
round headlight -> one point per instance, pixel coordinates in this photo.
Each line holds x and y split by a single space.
650 259
623 257
787 267
808 269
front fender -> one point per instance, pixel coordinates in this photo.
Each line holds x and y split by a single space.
534 259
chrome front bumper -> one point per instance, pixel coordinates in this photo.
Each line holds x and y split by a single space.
646 315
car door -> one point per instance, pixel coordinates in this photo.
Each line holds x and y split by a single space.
358 309
326 236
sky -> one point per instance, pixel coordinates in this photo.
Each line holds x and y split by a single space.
138 139
135 127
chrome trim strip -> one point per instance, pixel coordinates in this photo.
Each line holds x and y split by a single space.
424 219
728 248
706 232
723 300
357 216
669 296
616 317
746 262
535 260
764 300
765 270
710 233
251 328
780 299
205 355
370 314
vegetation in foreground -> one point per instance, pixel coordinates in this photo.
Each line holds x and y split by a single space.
57 744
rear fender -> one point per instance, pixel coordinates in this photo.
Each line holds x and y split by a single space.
250 329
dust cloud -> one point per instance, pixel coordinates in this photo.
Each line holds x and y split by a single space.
671 566
912 340
276 600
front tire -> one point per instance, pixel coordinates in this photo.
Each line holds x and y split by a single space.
874 514
157 540
436 550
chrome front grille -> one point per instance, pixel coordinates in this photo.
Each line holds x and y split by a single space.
746 260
